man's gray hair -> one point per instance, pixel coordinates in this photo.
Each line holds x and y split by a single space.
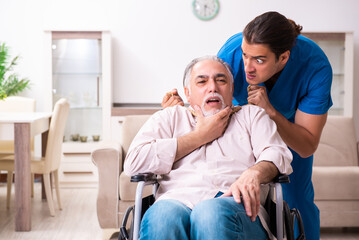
188 70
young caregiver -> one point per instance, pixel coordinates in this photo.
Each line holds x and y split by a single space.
289 76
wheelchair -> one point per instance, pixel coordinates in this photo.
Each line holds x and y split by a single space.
282 219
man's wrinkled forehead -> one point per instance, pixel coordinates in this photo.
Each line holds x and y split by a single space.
199 70
188 70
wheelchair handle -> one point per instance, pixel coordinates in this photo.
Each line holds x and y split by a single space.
281 178
144 177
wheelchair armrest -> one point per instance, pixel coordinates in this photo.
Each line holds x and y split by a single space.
144 177
281 178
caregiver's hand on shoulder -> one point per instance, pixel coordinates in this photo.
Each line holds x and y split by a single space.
171 99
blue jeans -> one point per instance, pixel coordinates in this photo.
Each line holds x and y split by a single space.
217 218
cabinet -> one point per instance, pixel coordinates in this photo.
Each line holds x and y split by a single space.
80 71
339 48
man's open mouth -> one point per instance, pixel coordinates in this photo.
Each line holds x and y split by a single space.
212 104
213 100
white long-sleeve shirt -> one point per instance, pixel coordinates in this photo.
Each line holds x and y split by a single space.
250 137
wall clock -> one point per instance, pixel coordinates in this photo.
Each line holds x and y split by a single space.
205 9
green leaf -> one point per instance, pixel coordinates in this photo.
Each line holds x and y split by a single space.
10 83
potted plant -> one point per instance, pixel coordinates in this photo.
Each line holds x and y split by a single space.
10 83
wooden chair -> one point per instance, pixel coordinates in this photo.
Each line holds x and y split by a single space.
15 104
50 163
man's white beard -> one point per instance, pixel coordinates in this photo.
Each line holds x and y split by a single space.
212 111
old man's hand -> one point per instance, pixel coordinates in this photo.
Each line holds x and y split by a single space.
247 188
212 127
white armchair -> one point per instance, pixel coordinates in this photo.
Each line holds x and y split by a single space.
115 191
336 174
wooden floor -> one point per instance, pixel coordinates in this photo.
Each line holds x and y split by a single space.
78 219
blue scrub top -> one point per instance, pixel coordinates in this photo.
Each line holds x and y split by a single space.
304 84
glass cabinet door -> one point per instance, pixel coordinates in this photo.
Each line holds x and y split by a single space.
334 49
339 49
77 76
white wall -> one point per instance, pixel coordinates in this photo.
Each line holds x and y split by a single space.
154 40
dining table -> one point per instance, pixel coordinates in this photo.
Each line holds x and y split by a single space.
21 127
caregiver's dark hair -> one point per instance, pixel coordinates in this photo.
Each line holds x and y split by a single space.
274 29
